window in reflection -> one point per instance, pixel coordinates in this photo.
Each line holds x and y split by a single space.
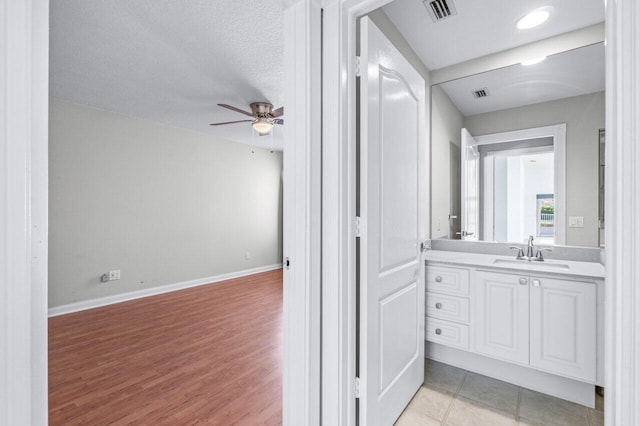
519 192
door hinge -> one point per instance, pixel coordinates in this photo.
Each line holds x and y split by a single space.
356 389
357 227
357 66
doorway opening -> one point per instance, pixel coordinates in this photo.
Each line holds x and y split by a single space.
166 202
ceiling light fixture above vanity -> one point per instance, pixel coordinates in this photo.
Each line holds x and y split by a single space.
533 61
533 19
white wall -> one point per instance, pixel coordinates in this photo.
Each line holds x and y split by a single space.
164 205
584 116
446 122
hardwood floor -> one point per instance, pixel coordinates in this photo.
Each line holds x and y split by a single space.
206 355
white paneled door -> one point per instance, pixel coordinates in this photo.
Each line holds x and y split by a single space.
393 212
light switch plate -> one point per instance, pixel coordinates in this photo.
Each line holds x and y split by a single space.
576 221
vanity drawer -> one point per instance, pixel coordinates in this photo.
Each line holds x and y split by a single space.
449 280
447 333
447 307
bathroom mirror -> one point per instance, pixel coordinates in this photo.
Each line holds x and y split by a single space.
516 152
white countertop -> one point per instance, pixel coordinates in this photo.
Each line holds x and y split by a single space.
509 263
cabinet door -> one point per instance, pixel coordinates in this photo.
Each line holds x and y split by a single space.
563 327
502 316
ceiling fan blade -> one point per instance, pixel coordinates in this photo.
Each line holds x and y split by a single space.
232 108
230 122
278 121
277 112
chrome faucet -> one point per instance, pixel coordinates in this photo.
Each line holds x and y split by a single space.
530 247
539 257
529 256
520 254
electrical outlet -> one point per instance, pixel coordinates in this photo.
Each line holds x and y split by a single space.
110 276
247 255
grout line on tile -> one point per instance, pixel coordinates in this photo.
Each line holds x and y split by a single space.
446 414
518 404
461 383
453 400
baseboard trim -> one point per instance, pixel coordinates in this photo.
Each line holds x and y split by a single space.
526 377
138 294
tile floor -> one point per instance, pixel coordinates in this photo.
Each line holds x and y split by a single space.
454 397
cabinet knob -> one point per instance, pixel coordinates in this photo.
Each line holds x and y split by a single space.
523 281
438 305
438 279
438 331
536 283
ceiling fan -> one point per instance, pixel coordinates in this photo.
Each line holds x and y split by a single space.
263 116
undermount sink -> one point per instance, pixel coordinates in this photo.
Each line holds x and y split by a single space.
524 262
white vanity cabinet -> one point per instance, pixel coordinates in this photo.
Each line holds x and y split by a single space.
563 327
502 316
547 323
536 326
447 306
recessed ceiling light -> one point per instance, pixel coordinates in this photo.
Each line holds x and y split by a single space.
533 19
534 61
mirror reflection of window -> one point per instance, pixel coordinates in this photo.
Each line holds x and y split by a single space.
522 193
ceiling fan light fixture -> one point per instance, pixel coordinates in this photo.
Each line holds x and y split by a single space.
533 19
262 125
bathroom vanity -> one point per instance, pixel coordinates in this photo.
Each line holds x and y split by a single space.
539 325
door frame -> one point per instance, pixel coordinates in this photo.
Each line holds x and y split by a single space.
24 100
339 36
623 195
24 194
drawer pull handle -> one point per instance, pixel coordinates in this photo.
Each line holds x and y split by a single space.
438 305
438 331
536 283
523 281
438 279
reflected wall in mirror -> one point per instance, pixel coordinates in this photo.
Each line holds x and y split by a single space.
522 187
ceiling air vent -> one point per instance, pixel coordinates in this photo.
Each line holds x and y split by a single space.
481 93
440 9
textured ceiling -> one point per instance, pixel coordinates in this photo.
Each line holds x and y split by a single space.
572 73
170 61
482 27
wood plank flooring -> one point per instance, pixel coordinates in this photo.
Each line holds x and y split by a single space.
206 355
